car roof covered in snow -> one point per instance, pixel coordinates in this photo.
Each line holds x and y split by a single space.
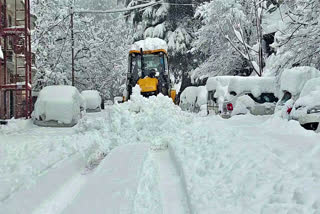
293 80
254 85
214 82
149 46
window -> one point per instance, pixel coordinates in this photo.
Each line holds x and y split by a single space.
264 98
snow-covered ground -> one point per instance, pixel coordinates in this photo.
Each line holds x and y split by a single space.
160 159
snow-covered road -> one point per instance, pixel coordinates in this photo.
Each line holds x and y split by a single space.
246 164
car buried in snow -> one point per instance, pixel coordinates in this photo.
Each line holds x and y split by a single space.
306 109
58 106
292 82
93 100
240 95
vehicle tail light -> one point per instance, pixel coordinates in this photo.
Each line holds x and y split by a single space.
289 110
230 107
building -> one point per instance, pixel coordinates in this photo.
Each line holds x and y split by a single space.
16 73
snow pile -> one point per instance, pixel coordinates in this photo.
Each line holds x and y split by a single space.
226 171
254 85
59 103
92 98
28 153
293 80
243 105
194 99
149 44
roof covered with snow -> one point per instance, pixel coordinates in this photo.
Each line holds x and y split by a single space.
214 82
293 80
254 85
149 44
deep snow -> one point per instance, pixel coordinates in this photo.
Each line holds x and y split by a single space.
247 164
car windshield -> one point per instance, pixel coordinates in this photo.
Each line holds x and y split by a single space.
287 96
264 98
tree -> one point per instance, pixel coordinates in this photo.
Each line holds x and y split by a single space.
101 44
296 44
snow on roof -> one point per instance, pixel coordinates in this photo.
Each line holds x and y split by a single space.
1 53
150 44
293 80
276 20
92 98
214 82
59 103
254 85
310 94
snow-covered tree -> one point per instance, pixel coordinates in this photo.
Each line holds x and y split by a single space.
296 44
231 38
101 44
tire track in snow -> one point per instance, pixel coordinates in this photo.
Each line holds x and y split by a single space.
172 191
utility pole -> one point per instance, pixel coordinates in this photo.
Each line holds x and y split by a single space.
72 41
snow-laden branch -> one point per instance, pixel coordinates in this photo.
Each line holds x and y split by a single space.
120 10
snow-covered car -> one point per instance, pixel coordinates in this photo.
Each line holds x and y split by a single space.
194 99
58 106
217 90
258 96
306 109
292 82
93 100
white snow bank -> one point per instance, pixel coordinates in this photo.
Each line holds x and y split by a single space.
293 80
310 94
59 103
192 98
254 85
92 99
150 44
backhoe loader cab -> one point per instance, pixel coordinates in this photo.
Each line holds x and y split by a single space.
148 67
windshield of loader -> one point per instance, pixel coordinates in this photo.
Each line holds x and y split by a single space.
150 61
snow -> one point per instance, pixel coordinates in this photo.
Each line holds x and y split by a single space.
150 44
310 94
58 103
293 80
242 105
192 98
212 82
276 21
1 53
254 85
247 164
92 99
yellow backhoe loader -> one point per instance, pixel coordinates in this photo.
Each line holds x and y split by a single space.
150 70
